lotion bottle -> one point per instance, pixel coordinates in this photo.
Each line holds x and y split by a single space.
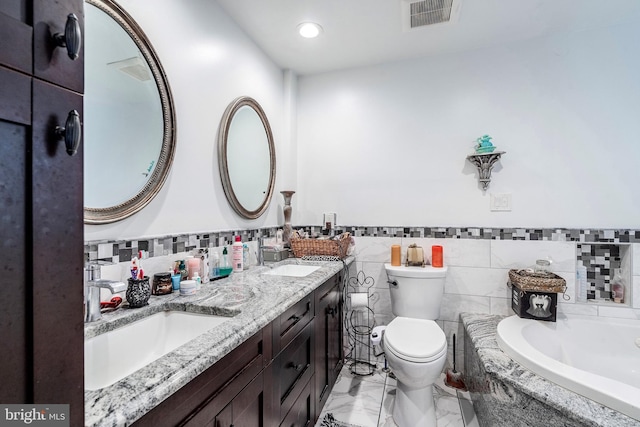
237 254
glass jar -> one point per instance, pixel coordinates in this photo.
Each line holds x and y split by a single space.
543 266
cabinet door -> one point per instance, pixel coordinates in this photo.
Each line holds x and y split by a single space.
15 127
328 337
335 350
248 406
246 409
50 62
56 252
42 216
16 35
301 413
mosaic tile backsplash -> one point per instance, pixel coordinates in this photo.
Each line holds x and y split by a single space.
123 250
598 250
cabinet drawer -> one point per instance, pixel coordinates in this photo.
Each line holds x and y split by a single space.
295 366
291 322
328 290
302 412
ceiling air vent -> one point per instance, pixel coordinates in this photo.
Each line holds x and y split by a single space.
418 14
135 67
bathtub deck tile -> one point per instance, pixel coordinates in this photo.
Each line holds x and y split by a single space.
503 391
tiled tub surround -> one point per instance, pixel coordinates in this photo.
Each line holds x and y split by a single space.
253 299
505 393
589 355
478 273
478 259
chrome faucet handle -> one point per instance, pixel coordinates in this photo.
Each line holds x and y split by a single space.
112 285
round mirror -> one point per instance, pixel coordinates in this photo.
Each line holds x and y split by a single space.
246 157
129 121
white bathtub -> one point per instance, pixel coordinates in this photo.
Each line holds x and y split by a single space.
596 357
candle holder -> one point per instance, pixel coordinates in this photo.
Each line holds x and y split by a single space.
286 235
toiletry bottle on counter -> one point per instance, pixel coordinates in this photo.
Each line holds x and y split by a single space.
196 278
183 270
225 258
245 256
237 254
215 265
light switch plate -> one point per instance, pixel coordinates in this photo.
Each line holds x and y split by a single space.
501 202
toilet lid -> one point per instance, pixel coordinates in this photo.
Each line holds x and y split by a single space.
415 340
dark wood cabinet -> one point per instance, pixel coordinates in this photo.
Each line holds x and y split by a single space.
246 409
208 397
294 366
302 412
41 211
271 379
328 338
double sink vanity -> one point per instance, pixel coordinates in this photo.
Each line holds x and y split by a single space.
262 347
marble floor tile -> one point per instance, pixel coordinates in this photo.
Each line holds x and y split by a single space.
368 402
355 399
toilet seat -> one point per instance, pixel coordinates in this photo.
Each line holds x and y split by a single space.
415 340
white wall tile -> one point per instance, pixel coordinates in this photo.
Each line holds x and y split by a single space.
467 252
524 253
477 281
619 312
582 309
635 292
375 249
501 306
456 252
453 305
570 278
635 251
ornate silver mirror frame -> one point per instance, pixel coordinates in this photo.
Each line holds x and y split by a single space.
230 169
159 174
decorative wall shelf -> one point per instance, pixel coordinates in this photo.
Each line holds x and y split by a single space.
484 162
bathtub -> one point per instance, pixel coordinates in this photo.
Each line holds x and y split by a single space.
596 357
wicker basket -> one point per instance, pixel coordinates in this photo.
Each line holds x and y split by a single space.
538 282
308 247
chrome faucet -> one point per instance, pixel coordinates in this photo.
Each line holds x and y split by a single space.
92 285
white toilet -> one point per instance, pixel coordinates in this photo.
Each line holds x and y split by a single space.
414 344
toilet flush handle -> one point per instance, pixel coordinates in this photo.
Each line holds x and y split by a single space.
393 283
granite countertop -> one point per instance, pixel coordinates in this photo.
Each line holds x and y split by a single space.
482 329
251 298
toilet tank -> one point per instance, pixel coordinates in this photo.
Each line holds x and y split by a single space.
416 291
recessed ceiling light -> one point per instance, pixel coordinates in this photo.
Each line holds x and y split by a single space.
309 30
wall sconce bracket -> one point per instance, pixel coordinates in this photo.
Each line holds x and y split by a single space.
484 162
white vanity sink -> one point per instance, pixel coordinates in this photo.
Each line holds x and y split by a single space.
293 270
111 356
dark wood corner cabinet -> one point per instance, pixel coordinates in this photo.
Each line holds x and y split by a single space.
41 204
279 377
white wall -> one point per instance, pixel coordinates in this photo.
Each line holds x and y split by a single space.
209 62
386 145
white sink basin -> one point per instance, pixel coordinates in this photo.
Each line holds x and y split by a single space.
111 356
293 270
